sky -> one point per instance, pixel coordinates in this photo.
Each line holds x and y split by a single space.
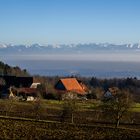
69 21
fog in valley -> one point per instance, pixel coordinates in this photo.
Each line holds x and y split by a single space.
104 65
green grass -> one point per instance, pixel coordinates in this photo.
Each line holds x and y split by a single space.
136 107
83 105
56 104
52 110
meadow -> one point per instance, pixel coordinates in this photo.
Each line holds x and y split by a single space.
44 120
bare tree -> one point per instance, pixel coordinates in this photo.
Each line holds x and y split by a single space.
8 106
69 107
37 108
118 106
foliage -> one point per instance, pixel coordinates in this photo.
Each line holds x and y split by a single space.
41 91
5 69
37 108
69 106
2 82
129 83
96 86
85 111
117 106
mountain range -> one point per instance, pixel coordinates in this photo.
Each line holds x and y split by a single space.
67 49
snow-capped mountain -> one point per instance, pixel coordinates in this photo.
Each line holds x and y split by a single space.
3 46
71 48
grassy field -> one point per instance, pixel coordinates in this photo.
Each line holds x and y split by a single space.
136 107
87 111
19 120
83 105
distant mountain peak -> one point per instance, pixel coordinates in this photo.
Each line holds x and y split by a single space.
3 46
66 49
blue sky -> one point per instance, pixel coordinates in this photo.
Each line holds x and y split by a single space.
69 21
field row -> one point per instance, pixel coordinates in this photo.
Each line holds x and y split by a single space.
14 128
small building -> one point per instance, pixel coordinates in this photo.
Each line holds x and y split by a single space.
28 94
17 81
111 92
25 94
70 88
35 85
8 81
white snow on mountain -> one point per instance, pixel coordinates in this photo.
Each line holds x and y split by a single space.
3 46
139 46
129 45
56 46
70 47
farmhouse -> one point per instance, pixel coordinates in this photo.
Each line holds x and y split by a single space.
17 81
28 94
70 88
111 92
6 82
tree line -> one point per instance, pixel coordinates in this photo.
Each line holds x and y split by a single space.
5 69
96 86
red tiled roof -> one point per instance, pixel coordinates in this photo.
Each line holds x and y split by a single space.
27 90
71 84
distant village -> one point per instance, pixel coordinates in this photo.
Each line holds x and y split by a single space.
27 89
18 84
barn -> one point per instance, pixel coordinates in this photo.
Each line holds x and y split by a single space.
71 88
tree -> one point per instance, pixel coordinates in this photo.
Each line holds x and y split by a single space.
8 106
118 106
37 108
94 82
41 90
69 107
2 82
2 85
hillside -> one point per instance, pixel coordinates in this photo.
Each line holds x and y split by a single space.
5 69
